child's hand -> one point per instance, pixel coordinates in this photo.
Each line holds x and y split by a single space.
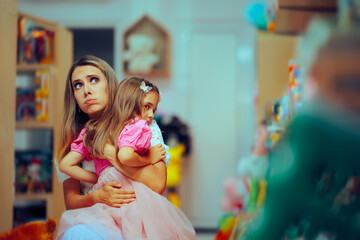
156 153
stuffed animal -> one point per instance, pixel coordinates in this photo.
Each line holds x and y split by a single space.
174 173
226 225
177 136
36 230
140 55
260 14
174 168
236 194
313 179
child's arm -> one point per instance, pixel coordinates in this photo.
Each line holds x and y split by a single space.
133 141
69 166
128 157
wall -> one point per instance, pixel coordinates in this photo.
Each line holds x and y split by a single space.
211 83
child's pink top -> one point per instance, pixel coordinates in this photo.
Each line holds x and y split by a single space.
78 146
136 135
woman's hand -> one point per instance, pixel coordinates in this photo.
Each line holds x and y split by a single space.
112 195
156 153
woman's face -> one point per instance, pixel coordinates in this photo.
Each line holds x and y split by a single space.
90 90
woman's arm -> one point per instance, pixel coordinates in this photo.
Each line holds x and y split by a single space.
128 157
69 166
111 194
153 175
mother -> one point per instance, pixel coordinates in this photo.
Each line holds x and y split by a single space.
99 83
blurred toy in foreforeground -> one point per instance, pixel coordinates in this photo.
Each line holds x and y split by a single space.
245 193
314 169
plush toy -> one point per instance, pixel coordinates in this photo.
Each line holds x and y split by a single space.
36 230
174 173
236 194
174 168
174 132
261 15
140 56
226 225
34 176
313 179
177 137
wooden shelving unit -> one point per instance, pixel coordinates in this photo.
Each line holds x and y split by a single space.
294 16
8 20
33 67
34 125
9 68
273 54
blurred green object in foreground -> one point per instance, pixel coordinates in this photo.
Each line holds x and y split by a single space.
313 179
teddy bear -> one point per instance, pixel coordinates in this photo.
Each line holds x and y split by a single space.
140 56
36 230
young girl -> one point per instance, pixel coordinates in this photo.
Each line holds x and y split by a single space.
150 216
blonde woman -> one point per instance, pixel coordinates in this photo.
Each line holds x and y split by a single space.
90 91
151 215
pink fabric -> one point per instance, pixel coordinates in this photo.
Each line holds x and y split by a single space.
136 135
150 216
78 146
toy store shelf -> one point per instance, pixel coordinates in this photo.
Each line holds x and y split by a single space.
293 16
25 199
33 67
34 125
308 4
34 196
289 21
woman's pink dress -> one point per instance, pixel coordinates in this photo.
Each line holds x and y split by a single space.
150 216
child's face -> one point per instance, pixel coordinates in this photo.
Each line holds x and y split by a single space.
150 104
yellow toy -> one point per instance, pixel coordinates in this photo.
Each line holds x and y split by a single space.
177 137
174 168
174 173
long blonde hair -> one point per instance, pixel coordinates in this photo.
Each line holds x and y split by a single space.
128 105
73 118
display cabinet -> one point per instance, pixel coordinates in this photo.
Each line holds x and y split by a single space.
274 51
36 57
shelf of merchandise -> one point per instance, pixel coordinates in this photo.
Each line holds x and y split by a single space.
47 197
33 67
273 54
62 60
34 125
33 196
58 69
